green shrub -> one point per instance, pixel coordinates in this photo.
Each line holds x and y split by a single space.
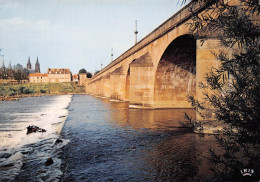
43 91
26 91
21 89
10 92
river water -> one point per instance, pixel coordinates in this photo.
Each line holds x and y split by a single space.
101 141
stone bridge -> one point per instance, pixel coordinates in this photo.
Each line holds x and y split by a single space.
161 69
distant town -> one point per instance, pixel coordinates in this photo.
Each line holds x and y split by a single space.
18 81
18 74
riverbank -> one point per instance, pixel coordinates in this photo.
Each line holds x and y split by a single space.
17 97
14 92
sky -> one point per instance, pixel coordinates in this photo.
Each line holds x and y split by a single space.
76 34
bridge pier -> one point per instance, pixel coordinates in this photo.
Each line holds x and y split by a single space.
105 83
142 82
117 84
98 87
206 59
90 88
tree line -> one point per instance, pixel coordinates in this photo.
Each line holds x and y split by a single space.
17 72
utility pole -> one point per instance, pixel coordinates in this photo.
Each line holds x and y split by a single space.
136 32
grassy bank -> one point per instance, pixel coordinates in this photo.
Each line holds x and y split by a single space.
29 89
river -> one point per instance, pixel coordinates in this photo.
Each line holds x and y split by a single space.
101 141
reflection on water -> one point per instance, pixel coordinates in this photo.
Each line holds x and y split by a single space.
180 158
158 119
110 142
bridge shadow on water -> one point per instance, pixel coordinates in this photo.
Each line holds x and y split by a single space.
109 142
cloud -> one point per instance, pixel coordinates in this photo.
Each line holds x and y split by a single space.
68 33
54 43
12 24
17 28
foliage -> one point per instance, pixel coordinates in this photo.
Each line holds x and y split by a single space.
27 91
82 71
89 75
24 90
3 74
42 91
233 87
51 88
191 125
18 73
21 88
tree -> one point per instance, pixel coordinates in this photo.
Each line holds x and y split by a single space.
234 87
82 71
20 73
10 73
3 74
19 67
89 75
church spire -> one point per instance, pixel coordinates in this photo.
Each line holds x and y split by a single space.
37 66
29 65
3 65
10 66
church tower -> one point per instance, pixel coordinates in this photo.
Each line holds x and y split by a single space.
29 65
10 66
37 66
3 66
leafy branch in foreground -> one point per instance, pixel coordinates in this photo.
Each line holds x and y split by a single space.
232 90
191 125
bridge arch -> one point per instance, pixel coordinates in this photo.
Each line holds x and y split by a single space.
128 80
175 76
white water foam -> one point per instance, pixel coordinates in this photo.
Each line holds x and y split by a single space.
13 137
50 118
